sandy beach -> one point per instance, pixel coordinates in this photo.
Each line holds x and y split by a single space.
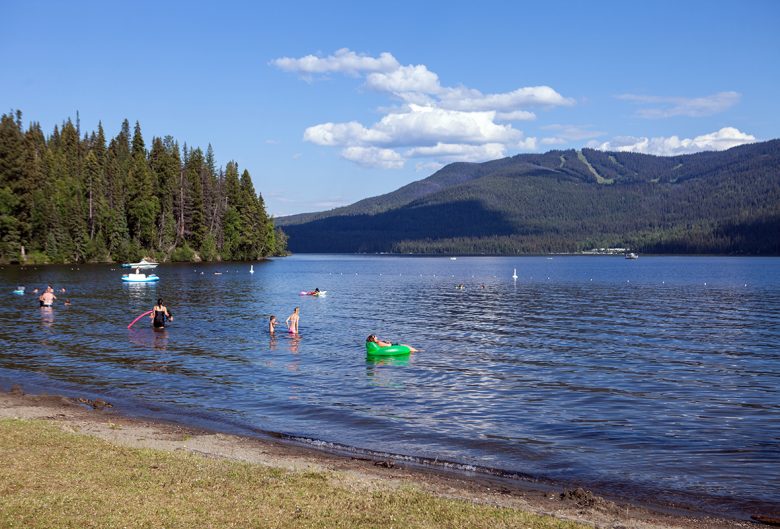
105 421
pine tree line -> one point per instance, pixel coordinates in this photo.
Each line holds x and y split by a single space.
73 197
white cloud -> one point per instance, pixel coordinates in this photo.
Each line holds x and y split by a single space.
450 152
665 107
553 140
528 144
470 99
373 157
343 61
435 121
421 125
517 115
720 140
406 82
337 134
424 132
425 125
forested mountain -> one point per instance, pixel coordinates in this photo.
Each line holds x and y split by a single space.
74 197
567 201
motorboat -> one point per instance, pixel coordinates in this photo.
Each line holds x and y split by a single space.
143 264
140 278
631 255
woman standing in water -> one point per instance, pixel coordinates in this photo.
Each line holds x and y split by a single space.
159 314
292 321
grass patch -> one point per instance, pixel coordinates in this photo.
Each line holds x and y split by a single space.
51 478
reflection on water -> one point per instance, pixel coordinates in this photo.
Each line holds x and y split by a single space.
295 341
659 374
47 316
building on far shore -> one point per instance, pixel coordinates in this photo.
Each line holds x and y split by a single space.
606 251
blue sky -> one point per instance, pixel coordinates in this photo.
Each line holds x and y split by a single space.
326 103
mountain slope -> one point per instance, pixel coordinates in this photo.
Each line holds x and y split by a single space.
561 201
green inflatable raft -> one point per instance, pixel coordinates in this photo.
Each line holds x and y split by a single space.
373 349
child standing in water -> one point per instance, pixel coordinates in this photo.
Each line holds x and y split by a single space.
292 321
272 324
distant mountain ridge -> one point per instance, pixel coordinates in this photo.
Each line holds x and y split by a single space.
566 201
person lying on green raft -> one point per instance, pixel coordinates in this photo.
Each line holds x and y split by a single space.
375 346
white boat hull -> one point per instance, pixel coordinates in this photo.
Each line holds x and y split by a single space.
140 278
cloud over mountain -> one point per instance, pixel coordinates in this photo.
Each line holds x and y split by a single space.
720 140
436 122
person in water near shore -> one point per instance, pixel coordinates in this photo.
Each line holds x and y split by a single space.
382 343
272 324
292 321
47 298
159 315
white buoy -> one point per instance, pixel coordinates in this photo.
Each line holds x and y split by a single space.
514 274
251 269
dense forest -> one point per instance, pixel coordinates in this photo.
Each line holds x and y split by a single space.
724 202
75 197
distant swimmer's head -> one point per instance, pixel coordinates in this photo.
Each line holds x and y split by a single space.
371 338
160 301
272 318
316 289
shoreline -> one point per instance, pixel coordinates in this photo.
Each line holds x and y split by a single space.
98 418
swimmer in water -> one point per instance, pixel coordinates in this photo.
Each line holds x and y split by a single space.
47 298
272 324
382 343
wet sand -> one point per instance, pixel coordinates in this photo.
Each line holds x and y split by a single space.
105 420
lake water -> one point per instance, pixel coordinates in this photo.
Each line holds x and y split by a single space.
656 378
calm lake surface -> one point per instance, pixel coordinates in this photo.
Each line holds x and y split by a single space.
656 378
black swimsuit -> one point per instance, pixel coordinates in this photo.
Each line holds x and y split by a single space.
159 318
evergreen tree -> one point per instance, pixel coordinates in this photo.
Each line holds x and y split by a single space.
232 226
165 166
143 206
193 211
11 187
36 189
